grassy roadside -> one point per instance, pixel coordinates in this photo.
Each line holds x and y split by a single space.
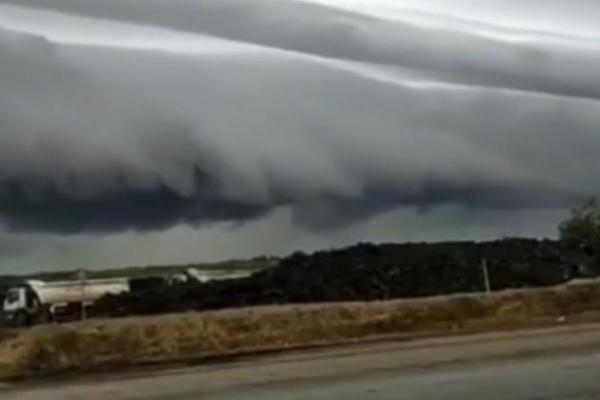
110 344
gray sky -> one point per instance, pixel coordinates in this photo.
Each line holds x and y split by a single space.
150 131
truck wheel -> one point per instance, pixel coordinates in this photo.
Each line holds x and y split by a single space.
22 320
45 317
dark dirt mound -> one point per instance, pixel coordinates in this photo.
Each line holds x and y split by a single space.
366 272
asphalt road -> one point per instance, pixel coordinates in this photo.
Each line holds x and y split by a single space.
557 363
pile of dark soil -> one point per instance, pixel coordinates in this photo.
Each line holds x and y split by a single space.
366 272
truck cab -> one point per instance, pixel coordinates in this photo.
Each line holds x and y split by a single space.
20 306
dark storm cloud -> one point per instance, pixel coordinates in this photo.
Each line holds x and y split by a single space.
78 157
29 206
335 115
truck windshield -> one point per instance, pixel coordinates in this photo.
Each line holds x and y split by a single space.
12 296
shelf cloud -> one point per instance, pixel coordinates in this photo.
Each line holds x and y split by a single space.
138 115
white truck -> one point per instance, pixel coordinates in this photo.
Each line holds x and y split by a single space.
34 302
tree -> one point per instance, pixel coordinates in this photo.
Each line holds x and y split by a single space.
581 232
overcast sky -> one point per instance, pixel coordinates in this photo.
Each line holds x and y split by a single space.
152 131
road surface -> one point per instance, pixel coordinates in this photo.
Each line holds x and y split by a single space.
557 363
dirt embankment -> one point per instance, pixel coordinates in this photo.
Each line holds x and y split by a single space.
366 272
107 344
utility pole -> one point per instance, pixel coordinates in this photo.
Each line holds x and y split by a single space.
82 275
486 275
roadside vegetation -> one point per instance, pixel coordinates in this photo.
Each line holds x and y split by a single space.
107 345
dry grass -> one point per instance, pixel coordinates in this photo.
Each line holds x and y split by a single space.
120 343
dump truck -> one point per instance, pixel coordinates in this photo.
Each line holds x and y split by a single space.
35 302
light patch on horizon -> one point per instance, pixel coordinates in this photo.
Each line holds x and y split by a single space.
275 235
